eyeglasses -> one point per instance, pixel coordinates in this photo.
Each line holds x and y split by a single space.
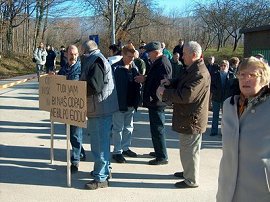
241 75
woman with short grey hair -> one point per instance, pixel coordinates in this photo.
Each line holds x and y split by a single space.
245 165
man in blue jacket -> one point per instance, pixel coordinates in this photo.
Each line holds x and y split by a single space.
72 70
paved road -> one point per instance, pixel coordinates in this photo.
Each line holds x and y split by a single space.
26 175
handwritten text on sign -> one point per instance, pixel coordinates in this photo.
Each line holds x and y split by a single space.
44 91
68 102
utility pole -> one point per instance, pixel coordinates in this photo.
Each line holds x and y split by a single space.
113 23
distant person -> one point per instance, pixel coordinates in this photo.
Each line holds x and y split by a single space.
50 59
72 71
212 66
234 63
177 66
139 63
40 54
160 69
179 49
115 54
245 164
101 104
63 56
190 96
129 98
222 87
144 56
165 51
261 57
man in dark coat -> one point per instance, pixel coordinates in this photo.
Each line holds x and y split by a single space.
179 49
160 69
223 85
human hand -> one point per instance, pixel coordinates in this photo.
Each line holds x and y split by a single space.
165 82
139 78
159 92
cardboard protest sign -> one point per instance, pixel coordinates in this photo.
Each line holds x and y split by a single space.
44 90
68 102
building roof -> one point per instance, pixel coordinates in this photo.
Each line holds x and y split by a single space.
255 29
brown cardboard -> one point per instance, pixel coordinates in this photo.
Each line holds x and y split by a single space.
44 90
68 102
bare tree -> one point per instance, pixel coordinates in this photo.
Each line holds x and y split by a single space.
11 12
127 13
224 18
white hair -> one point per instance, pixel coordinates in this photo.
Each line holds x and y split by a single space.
89 46
194 47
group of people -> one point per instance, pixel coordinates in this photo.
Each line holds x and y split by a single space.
114 93
45 59
241 90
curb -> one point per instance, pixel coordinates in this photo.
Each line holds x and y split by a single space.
7 85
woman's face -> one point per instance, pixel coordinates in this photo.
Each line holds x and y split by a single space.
250 81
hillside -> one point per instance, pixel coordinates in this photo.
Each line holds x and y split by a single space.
16 66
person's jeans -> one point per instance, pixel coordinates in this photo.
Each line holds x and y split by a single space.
76 137
215 108
190 146
122 130
99 129
157 128
39 69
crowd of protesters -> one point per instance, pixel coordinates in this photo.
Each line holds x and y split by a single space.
153 77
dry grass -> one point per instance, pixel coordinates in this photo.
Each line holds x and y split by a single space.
16 66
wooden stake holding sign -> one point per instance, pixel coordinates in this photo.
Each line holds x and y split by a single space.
45 84
67 104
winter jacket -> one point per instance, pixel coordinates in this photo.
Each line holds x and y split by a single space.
40 56
221 93
72 72
160 68
50 58
101 91
244 174
128 91
190 96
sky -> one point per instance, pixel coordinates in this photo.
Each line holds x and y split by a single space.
166 6
169 5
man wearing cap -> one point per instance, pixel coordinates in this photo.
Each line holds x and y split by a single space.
160 68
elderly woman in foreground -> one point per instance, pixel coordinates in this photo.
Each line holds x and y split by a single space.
245 165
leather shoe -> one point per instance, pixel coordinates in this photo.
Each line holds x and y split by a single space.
179 174
183 185
74 168
129 153
158 162
119 158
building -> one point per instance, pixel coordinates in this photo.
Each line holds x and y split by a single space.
257 40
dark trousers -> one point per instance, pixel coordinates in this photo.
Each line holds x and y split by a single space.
157 128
